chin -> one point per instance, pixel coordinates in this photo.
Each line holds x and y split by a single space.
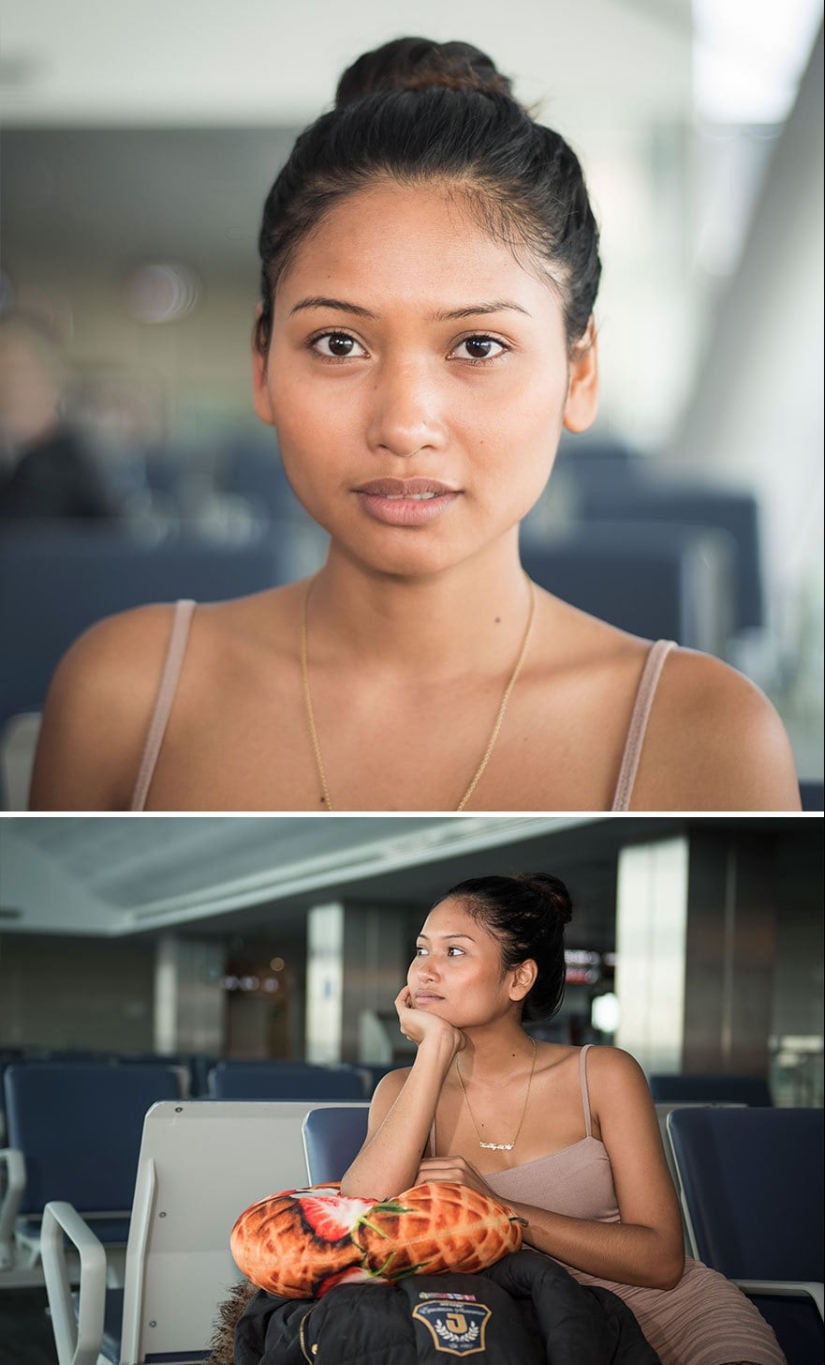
439 1007
408 553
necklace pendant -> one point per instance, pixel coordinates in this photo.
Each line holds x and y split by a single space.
498 1146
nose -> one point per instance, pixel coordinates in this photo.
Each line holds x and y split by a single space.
405 413
425 969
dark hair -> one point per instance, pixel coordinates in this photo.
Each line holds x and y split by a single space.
415 110
527 913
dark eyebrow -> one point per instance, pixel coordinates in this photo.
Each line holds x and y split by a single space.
467 936
338 304
472 310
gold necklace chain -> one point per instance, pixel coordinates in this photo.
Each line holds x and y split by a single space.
498 1146
326 799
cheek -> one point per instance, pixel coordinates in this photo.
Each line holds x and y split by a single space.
517 436
298 416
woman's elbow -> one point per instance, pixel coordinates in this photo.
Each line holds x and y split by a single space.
670 1269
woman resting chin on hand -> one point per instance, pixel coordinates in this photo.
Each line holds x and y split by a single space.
566 1137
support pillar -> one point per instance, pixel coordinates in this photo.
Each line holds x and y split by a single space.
695 927
189 995
356 962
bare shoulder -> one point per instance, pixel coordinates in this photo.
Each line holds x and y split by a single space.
97 710
613 1068
714 742
617 1086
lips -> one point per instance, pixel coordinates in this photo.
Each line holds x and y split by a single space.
422 997
406 502
405 488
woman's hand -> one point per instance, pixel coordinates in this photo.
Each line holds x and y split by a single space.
418 1025
456 1169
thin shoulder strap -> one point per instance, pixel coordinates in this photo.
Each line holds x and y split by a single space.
169 678
588 1127
638 722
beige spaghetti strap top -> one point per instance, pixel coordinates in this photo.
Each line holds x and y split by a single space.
648 683
173 663
169 679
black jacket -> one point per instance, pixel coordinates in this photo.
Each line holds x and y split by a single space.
525 1310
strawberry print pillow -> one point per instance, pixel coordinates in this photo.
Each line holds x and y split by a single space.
302 1243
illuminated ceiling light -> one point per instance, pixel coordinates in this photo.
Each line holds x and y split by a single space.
749 56
604 1013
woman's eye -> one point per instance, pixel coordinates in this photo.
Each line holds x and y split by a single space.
480 348
421 952
454 949
336 345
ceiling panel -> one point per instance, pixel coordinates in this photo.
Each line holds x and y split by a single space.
121 875
203 61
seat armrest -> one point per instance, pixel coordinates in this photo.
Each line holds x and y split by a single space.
78 1342
793 1288
15 1165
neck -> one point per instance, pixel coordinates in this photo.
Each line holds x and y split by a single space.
488 1053
468 619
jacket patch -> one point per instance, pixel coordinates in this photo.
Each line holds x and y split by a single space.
457 1328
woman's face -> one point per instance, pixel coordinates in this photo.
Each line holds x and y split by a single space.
457 971
418 379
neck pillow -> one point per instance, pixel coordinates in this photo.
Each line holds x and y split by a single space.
301 1243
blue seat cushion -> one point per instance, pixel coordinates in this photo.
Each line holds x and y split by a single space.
112 1232
797 1325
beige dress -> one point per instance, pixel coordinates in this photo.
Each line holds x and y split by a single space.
704 1320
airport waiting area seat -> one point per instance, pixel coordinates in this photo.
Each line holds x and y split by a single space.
332 1140
731 511
812 794
202 1162
73 1133
751 1187
237 1080
657 581
54 583
709 1089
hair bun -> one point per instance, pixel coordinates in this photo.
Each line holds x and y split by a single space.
421 64
551 890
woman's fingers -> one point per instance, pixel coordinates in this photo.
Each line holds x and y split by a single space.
455 1169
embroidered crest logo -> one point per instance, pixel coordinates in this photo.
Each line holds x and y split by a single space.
456 1329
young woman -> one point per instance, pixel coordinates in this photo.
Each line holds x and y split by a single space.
566 1136
429 269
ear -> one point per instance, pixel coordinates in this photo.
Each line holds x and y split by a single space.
260 376
524 976
583 391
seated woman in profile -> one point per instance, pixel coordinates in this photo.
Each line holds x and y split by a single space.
566 1136
429 269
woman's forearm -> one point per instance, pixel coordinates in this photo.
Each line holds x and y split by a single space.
624 1252
389 1162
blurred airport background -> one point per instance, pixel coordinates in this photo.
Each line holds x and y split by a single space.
137 150
695 943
